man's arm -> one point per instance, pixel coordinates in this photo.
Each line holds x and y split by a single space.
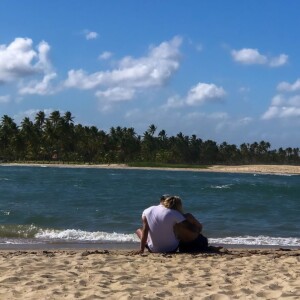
145 231
142 233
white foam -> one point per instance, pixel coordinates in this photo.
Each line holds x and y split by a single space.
4 179
276 174
224 186
80 235
14 241
257 240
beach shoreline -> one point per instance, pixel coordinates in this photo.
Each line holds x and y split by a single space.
76 246
252 169
118 274
110 270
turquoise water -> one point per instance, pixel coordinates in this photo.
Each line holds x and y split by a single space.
48 204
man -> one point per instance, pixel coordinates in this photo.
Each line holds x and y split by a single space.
157 234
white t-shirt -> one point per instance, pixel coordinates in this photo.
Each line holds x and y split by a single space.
161 237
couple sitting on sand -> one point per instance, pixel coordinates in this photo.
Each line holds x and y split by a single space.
166 229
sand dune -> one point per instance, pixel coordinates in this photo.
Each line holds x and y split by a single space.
102 274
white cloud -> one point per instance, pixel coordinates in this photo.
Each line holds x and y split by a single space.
272 112
105 55
43 87
204 92
278 100
245 121
287 112
17 60
141 73
281 60
295 100
43 63
289 87
174 102
283 107
20 62
91 35
4 99
244 90
116 94
249 56
197 95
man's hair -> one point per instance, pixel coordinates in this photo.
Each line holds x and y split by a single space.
164 197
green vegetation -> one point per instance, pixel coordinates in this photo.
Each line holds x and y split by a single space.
57 138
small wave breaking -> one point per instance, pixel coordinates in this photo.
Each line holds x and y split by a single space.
85 236
24 234
223 186
257 241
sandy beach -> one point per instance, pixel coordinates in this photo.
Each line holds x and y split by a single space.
112 273
259 169
116 274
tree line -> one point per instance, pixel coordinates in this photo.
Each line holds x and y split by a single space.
57 137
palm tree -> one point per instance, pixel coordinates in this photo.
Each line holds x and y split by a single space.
68 118
29 136
40 119
151 130
54 118
9 140
149 144
209 152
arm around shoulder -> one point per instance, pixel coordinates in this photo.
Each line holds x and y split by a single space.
190 218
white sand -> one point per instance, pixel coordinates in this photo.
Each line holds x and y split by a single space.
263 169
70 274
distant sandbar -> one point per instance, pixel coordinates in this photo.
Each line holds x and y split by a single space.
260 169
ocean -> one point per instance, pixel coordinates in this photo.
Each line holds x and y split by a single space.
53 205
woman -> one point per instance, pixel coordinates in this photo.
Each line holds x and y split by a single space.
188 233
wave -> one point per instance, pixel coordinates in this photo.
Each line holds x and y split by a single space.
257 241
5 212
4 179
24 234
85 236
275 174
224 186
17 231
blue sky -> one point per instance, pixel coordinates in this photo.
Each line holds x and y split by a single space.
223 70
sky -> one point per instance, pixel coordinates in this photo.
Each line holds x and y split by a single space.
222 70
